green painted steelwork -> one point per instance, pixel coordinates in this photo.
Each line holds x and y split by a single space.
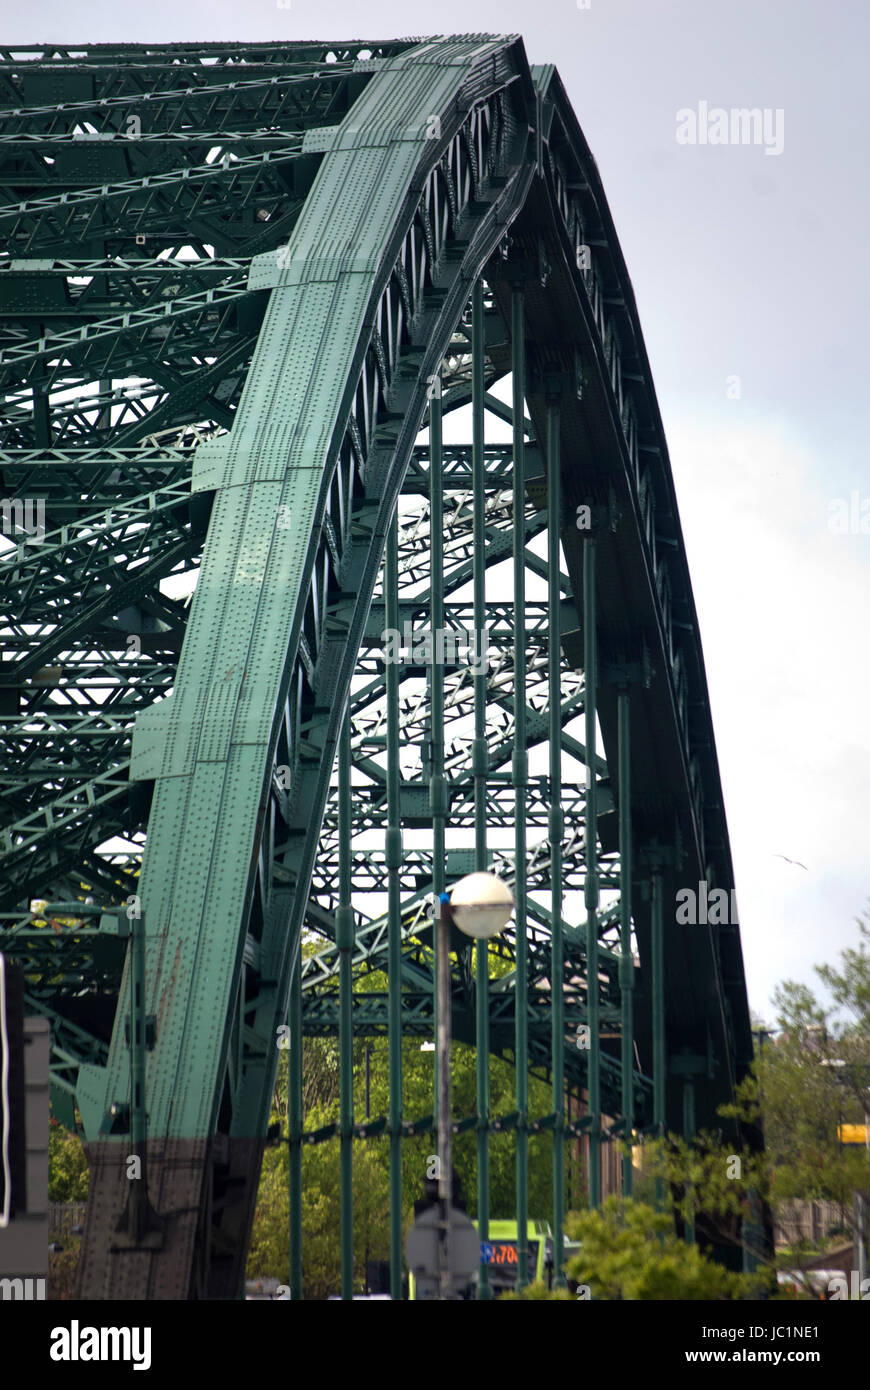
520 774
344 940
232 325
438 796
480 768
593 994
393 856
555 820
626 964
295 1130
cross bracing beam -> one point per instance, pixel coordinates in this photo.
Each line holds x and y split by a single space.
65 963
97 679
113 66
101 464
274 100
186 324
305 434
45 840
369 869
190 137
170 206
207 391
81 556
456 468
89 292
370 939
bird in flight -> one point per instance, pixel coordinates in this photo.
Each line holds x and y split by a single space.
791 861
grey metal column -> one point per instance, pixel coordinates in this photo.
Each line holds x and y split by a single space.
861 1237
25 1052
438 807
438 800
443 1035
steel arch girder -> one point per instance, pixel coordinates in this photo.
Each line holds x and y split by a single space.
210 747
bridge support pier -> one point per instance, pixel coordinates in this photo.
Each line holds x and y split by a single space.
202 1190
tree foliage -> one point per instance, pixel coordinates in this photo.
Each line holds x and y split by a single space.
67 1166
810 1075
269 1253
630 1251
813 1077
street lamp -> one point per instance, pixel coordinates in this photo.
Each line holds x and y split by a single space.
481 905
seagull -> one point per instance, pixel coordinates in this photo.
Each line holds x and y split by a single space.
791 861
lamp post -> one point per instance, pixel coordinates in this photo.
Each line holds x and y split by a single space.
481 906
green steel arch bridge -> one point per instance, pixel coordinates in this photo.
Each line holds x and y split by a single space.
341 557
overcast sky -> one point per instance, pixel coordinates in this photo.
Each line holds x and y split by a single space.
750 270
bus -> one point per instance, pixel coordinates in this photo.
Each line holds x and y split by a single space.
499 1253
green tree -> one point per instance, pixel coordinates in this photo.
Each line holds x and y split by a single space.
814 1077
67 1166
804 1083
630 1251
269 1250
269 1254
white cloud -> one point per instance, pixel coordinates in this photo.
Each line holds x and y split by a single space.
779 603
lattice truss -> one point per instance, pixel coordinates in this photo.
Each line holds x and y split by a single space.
368 707
127 326
73 747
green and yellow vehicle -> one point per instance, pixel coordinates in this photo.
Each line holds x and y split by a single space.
500 1253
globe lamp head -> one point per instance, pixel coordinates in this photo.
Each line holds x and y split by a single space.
481 905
